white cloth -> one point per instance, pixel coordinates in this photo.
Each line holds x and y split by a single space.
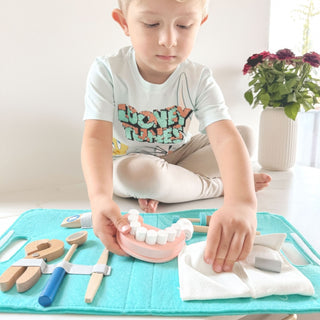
199 282
151 118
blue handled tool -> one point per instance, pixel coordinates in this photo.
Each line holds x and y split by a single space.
50 290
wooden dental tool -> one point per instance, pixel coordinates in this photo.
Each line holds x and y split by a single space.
84 220
96 278
78 221
26 277
49 292
203 219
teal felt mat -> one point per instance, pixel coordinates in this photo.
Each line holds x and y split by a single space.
136 287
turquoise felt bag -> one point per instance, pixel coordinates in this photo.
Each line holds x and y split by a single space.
141 288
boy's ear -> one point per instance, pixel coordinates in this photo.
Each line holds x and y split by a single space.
204 19
119 17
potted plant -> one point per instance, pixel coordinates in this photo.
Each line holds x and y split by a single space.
283 80
281 83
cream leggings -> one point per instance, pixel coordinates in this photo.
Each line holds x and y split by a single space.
187 174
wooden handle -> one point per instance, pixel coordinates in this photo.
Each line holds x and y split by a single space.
96 278
28 279
202 229
291 317
10 276
70 252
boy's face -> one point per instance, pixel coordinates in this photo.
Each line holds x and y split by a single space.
162 34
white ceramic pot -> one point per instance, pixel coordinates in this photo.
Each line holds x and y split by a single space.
277 140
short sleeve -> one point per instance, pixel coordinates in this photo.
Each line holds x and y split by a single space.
99 95
210 105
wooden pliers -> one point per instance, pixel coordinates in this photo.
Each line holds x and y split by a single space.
26 277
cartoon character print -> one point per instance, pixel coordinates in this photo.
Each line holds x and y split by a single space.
118 148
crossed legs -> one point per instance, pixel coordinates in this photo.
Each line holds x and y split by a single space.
189 173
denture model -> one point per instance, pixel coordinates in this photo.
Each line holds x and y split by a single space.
151 244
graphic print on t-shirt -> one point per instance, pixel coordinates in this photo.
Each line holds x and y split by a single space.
164 126
159 130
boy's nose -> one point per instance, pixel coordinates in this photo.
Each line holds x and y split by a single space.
168 38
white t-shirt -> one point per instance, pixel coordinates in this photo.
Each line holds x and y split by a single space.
151 118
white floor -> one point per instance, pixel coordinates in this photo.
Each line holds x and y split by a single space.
293 194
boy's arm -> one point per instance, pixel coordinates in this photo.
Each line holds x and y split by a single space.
232 227
96 157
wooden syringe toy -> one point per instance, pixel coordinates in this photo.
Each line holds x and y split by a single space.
151 244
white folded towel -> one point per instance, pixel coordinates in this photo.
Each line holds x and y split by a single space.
199 282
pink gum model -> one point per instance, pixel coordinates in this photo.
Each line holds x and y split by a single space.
156 253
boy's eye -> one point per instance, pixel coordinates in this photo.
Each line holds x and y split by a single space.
151 25
184 26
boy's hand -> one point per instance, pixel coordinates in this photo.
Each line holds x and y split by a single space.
106 220
230 237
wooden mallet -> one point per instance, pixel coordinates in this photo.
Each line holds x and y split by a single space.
49 292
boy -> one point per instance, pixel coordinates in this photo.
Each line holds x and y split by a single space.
138 107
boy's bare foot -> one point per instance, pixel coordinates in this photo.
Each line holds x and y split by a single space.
261 180
148 205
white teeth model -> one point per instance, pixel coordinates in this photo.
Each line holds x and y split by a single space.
178 229
151 237
171 234
187 227
133 211
134 226
133 217
162 237
141 234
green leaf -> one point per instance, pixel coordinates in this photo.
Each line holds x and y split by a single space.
249 96
283 90
292 83
313 87
252 82
307 106
291 110
292 97
265 99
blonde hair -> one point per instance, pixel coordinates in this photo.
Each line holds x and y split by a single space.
124 5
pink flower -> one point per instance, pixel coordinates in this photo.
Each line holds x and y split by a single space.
255 59
312 58
265 54
246 68
285 54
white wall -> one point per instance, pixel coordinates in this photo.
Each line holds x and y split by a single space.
46 48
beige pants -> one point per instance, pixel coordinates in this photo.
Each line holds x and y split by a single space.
187 174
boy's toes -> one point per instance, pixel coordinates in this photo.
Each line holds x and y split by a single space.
261 178
153 205
143 204
148 205
261 181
